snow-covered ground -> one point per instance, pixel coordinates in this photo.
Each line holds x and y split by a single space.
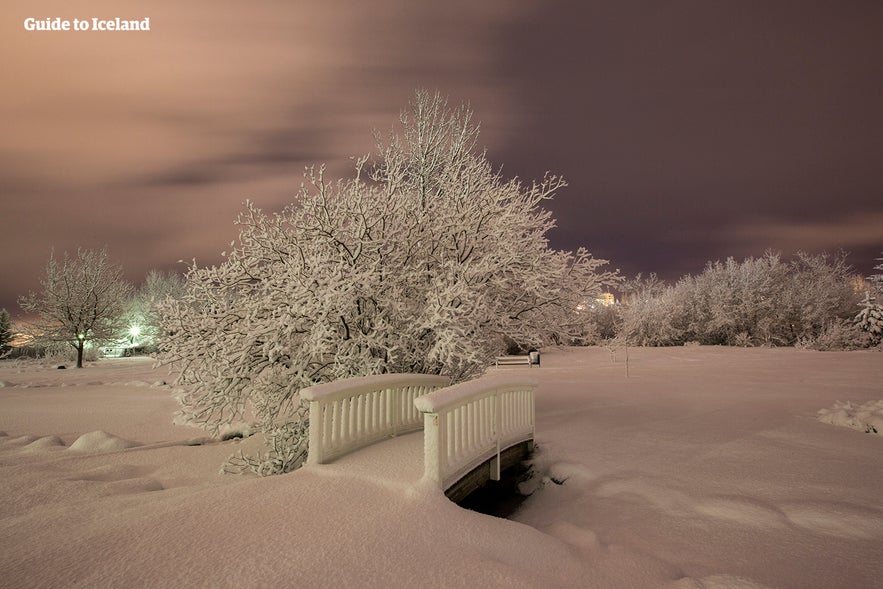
706 467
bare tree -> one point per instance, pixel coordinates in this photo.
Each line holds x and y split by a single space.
81 300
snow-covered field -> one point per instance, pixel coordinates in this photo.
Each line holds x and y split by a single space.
706 467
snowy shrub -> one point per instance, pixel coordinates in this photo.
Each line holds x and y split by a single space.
650 314
600 324
288 450
53 353
838 334
425 261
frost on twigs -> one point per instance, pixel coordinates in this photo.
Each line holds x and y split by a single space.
424 261
288 451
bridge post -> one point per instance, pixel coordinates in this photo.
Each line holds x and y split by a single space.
495 428
432 448
317 427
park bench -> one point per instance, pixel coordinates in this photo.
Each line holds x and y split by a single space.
516 360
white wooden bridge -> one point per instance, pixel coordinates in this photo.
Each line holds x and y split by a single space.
471 431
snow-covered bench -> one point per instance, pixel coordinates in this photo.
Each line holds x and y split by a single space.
530 360
512 360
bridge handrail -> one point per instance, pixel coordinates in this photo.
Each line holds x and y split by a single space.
352 413
467 423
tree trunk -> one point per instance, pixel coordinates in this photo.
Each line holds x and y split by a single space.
80 345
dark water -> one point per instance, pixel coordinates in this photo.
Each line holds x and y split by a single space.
499 498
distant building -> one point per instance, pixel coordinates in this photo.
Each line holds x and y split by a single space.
860 285
605 299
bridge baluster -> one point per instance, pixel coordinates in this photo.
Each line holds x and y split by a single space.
467 424
351 413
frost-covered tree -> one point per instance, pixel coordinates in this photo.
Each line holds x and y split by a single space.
820 290
141 321
82 300
423 262
870 317
647 315
5 332
876 280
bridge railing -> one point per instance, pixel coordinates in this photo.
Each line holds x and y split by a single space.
348 414
471 422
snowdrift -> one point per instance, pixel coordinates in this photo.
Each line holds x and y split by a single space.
705 468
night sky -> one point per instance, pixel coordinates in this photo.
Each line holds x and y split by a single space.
688 130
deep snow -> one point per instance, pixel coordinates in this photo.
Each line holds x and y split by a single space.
706 467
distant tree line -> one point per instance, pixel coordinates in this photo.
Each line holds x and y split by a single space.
813 301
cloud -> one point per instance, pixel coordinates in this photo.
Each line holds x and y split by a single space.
850 233
149 142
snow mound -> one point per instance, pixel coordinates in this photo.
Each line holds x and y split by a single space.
836 519
741 510
20 440
582 538
101 441
867 417
120 479
45 443
110 472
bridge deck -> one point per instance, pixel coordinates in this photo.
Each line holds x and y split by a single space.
397 461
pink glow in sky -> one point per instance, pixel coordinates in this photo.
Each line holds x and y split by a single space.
688 130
